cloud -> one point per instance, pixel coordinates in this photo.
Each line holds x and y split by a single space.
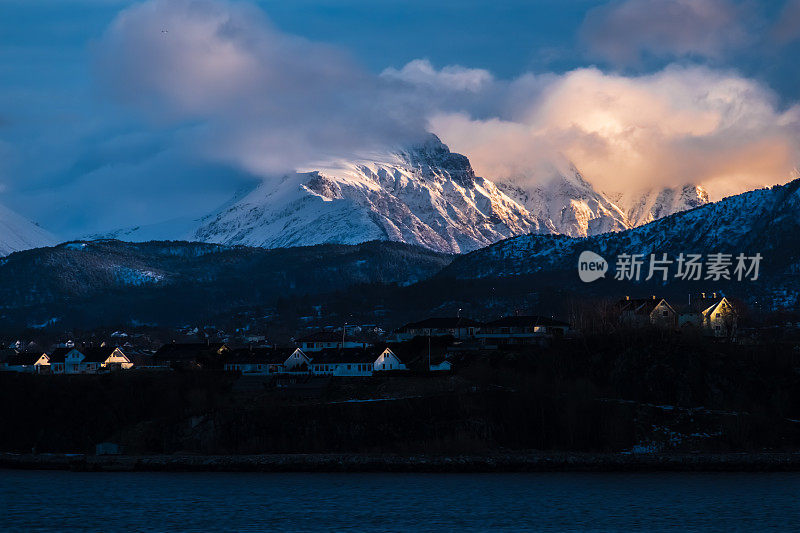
623 31
420 72
203 95
787 28
676 126
266 101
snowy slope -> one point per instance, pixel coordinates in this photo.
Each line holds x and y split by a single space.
422 195
564 202
18 233
765 221
643 207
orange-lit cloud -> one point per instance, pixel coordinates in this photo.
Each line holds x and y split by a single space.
680 125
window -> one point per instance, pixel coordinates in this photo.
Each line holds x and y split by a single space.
665 313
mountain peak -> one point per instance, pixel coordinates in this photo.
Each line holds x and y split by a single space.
432 156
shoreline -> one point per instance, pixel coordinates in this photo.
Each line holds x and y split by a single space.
501 462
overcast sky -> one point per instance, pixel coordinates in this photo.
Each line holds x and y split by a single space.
116 113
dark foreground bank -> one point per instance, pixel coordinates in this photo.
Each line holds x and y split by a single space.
512 462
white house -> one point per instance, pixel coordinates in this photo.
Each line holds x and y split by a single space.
522 330
419 358
458 327
297 362
88 360
255 361
344 363
325 340
387 360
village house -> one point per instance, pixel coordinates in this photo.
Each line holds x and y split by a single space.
347 362
422 357
654 311
114 359
298 361
388 361
255 361
89 360
28 362
192 355
532 329
457 327
712 313
325 340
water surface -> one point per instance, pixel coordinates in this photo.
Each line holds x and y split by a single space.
68 501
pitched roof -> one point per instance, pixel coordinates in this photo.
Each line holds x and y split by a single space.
97 354
23 358
525 321
640 306
699 305
59 354
442 323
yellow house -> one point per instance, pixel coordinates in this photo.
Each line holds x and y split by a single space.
713 313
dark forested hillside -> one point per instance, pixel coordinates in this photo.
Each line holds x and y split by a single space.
100 282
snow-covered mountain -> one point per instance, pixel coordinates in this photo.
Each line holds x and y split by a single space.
765 221
18 233
423 195
643 207
564 202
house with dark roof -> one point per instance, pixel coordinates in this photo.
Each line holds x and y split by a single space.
531 329
423 357
388 361
325 340
298 362
653 311
29 362
256 361
457 327
712 313
346 362
192 354
88 360
109 357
